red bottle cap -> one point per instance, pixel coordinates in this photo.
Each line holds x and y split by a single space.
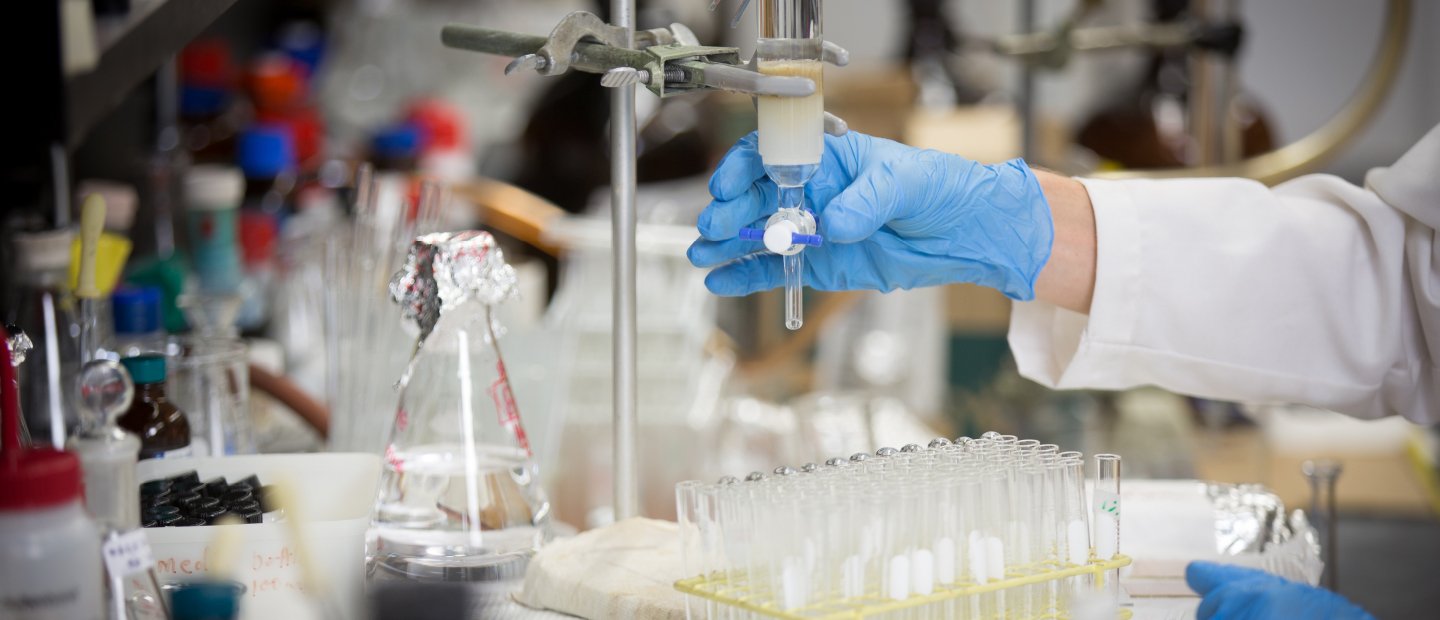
442 126
207 63
30 477
307 131
276 83
257 236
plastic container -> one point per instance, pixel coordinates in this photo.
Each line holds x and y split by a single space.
138 316
212 197
49 547
335 491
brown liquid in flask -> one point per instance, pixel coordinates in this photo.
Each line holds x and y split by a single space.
163 429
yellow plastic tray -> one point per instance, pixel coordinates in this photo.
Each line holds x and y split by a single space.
733 591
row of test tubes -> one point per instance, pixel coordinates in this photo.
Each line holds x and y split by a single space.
896 524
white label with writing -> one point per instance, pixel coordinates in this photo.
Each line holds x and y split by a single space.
127 553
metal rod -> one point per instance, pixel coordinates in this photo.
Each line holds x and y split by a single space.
590 57
622 201
1027 88
1323 474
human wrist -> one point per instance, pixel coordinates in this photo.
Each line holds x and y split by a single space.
1068 278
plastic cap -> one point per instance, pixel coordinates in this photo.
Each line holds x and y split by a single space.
257 236
265 151
214 188
120 200
206 600
38 478
443 125
148 368
305 126
46 250
396 141
207 62
136 309
201 101
303 42
276 82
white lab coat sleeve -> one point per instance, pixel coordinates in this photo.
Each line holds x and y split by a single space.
1316 292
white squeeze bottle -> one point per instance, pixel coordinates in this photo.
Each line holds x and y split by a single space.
50 564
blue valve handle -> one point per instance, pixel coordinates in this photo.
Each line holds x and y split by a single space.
758 234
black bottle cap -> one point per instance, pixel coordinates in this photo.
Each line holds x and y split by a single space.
169 520
252 515
187 500
162 510
159 499
210 515
154 487
215 487
251 481
203 504
149 523
188 522
188 479
237 495
244 506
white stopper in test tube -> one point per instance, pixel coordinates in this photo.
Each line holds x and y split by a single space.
994 557
780 236
945 560
978 563
853 575
899 578
793 582
922 572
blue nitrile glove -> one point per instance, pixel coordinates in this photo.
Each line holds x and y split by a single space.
892 216
1240 593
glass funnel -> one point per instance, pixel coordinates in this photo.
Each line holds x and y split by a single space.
459 496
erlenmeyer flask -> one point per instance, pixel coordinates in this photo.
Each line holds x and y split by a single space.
460 498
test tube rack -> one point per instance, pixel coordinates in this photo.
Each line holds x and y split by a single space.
733 590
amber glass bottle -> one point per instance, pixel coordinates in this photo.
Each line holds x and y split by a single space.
163 429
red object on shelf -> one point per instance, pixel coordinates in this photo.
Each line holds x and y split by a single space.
207 62
443 127
30 477
276 83
307 131
257 237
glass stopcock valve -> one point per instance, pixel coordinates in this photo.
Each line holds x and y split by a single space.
787 233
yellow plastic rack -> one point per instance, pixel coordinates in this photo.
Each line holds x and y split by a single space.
732 590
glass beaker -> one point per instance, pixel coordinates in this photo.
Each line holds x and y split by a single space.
460 496
209 379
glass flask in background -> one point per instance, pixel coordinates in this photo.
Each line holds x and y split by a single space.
459 497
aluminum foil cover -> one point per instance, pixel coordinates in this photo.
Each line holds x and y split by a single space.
19 343
1251 520
444 270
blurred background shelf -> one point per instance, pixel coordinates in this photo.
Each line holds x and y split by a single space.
131 48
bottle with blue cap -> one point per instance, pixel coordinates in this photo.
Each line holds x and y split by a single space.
396 147
138 320
163 428
267 157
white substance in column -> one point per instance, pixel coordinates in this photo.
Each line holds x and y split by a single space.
792 128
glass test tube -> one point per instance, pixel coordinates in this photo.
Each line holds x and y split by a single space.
1107 518
791 131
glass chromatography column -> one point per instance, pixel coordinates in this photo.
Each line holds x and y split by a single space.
791 134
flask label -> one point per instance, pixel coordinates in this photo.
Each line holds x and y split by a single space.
505 407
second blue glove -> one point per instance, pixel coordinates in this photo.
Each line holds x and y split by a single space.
892 216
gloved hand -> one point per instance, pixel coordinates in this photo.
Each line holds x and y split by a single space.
892 216
1240 593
